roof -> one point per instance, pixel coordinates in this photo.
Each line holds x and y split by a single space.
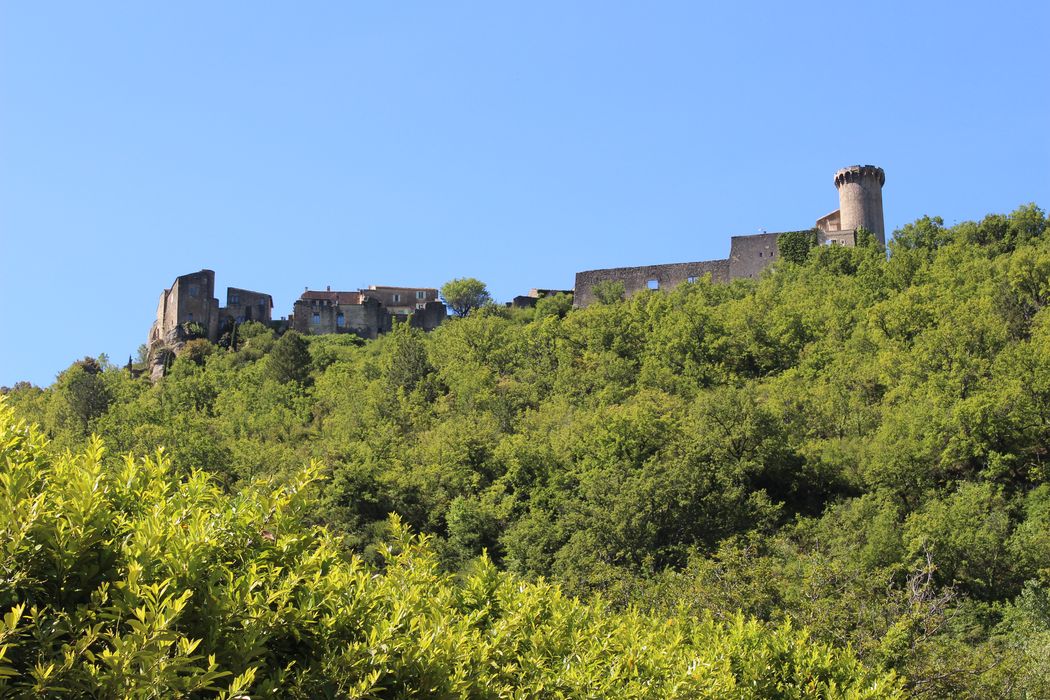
381 288
335 297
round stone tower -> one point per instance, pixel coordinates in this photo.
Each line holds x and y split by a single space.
860 199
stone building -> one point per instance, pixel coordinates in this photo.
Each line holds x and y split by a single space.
367 312
319 313
528 301
860 206
191 299
418 305
245 305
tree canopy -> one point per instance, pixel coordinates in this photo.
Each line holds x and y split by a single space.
464 295
854 444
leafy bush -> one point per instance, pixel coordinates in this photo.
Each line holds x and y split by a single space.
123 580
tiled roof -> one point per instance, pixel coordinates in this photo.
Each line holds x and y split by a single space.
335 297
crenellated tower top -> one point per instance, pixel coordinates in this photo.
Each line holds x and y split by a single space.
856 173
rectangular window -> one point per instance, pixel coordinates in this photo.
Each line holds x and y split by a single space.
397 298
234 299
189 317
692 279
317 319
194 290
340 320
421 295
653 284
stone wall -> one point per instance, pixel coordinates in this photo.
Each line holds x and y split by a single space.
749 255
191 298
635 279
401 300
432 315
245 305
344 312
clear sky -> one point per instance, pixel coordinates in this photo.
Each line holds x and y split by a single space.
287 145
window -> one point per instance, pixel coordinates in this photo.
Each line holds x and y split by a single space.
397 298
194 290
653 284
317 319
760 253
235 299
189 317
340 320
691 280
421 295
421 306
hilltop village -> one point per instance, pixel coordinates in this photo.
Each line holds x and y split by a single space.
190 308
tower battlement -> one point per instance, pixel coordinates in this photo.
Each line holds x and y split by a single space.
856 173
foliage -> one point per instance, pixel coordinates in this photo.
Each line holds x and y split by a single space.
554 305
465 294
856 444
608 291
289 361
794 246
124 580
192 330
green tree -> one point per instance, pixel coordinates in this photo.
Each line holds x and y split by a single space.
608 291
554 305
465 294
289 361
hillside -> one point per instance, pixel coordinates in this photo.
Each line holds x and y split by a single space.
854 443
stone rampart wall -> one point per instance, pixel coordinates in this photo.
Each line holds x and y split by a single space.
635 279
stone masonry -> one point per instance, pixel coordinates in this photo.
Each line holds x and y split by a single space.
860 206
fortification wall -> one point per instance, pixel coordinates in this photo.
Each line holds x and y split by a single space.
749 255
635 279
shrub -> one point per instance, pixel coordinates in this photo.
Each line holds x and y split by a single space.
123 580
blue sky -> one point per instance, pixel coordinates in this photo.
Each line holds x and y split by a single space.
287 145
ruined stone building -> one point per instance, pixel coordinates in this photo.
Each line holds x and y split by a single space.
191 299
528 301
367 312
318 313
860 206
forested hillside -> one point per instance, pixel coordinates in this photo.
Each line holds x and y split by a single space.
855 444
